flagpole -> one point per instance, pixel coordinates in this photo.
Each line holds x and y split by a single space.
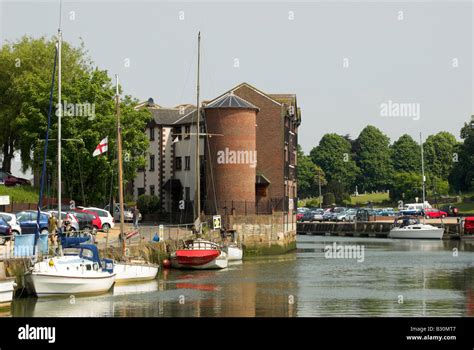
120 175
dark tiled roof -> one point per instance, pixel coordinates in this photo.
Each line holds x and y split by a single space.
174 116
230 100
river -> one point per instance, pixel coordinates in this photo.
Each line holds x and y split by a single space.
395 278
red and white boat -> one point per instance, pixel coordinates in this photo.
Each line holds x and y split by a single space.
199 254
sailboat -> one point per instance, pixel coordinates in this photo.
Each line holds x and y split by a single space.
81 272
199 253
133 270
411 228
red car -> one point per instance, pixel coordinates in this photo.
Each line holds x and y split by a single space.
10 180
96 222
469 225
299 216
432 213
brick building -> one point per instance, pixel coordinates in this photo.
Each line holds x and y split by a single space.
243 120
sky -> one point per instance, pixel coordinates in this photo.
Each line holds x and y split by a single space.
404 67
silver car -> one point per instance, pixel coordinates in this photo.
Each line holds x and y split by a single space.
127 213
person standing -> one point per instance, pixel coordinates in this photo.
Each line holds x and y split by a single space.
136 214
53 227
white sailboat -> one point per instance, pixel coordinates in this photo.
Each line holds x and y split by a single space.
82 273
131 271
417 230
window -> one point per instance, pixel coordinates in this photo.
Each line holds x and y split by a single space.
177 163
187 163
177 133
187 194
152 162
140 191
187 131
286 153
152 190
152 133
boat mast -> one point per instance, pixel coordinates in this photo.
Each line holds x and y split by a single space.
423 175
119 151
60 106
197 206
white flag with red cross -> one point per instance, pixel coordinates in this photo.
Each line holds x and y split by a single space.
101 147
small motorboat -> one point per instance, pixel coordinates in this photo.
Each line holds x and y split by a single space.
199 254
234 252
134 271
71 274
7 286
411 228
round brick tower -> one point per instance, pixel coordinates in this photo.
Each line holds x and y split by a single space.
231 156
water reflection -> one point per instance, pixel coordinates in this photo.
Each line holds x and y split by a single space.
397 278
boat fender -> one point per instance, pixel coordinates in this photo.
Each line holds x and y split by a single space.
51 263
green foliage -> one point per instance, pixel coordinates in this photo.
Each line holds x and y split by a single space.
337 189
24 113
333 155
309 176
373 158
462 175
20 194
406 155
148 204
406 187
312 203
439 155
329 199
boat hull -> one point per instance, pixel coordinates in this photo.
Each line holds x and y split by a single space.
407 233
219 262
130 272
234 253
7 288
49 285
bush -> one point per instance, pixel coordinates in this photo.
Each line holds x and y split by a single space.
148 204
329 199
312 203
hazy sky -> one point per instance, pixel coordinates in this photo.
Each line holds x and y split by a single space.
343 59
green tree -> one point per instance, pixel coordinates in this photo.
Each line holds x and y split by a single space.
23 114
439 153
333 155
309 176
406 155
462 175
373 159
406 187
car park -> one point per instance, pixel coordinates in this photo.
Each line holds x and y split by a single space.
106 218
348 215
127 213
27 221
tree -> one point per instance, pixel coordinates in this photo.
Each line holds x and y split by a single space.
339 191
406 187
309 176
373 159
439 153
462 174
406 155
23 116
333 155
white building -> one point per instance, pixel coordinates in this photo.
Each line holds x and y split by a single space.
170 170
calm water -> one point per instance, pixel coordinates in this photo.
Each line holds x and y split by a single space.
305 283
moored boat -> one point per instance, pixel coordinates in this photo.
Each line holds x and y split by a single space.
82 273
7 286
200 254
134 271
411 228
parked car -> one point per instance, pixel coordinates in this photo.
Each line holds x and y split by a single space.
5 231
85 220
327 214
414 209
337 211
9 180
432 213
451 210
469 225
363 214
27 221
347 215
127 213
313 215
11 220
105 217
